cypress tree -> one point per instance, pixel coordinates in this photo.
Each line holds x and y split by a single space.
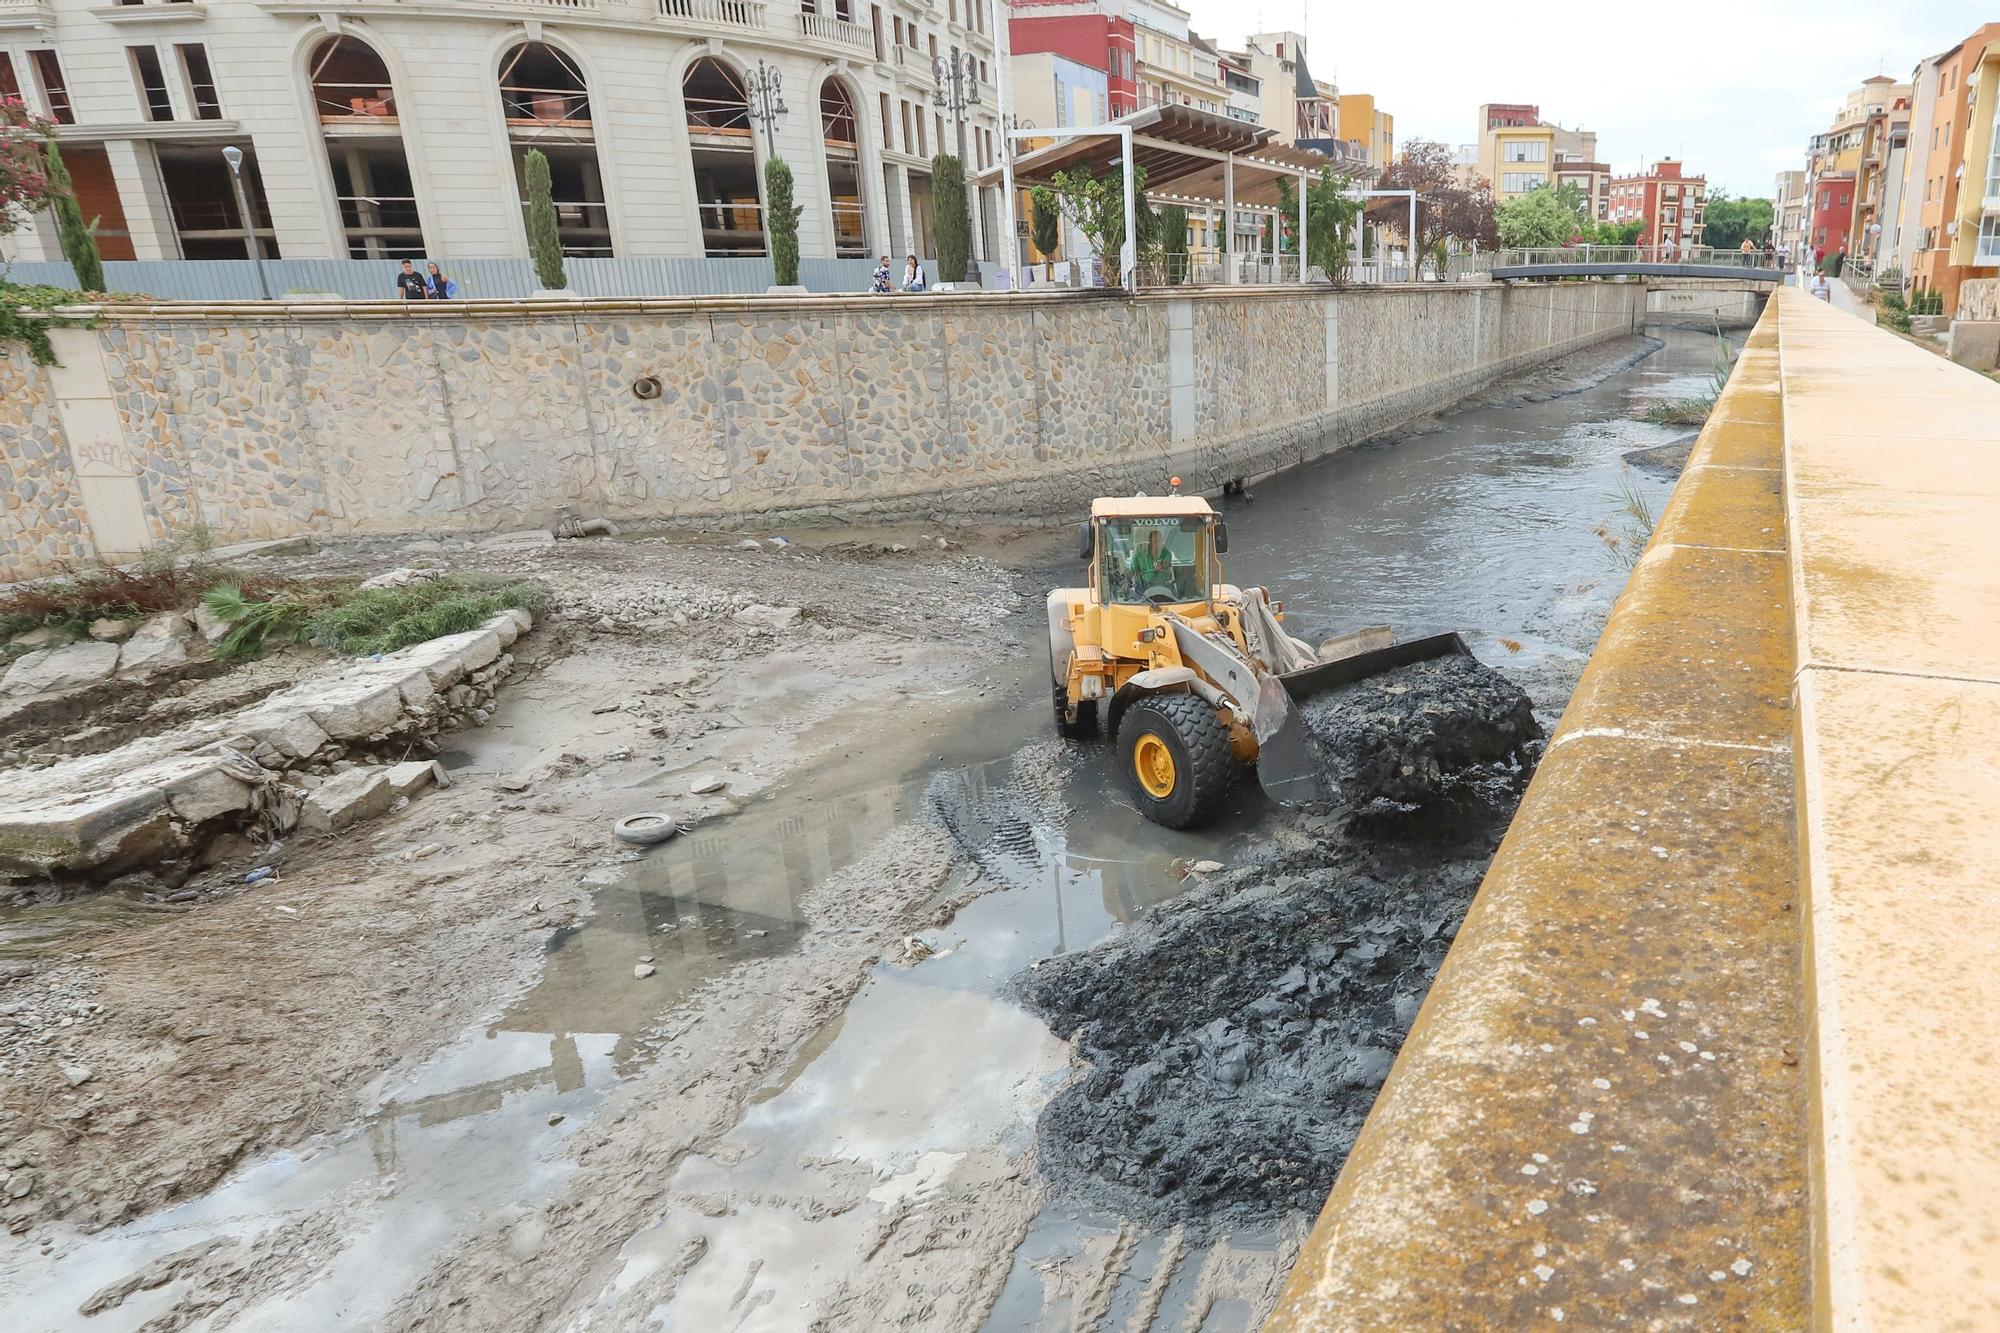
782 216
1046 211
79 239
544 236
953 226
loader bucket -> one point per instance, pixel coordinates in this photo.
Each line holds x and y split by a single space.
1286 767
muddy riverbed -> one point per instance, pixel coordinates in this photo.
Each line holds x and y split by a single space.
417 1083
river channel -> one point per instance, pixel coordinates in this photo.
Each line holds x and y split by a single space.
1507 520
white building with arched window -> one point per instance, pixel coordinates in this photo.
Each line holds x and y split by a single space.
389 128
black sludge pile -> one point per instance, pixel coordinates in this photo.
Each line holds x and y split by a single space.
1407 735
1236 1039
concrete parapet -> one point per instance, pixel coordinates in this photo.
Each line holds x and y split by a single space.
1598 1117
1893 501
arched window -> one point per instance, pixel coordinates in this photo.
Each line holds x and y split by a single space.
364 147
547 105
842 137
725 160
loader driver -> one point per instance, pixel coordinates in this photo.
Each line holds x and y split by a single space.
1153 564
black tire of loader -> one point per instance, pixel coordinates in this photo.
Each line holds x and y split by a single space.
1085 726
1204 767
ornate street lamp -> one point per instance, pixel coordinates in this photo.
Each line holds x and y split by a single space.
767 103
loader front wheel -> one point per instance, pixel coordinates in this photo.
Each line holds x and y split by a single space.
1177 758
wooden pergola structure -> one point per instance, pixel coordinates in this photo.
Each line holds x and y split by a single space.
1189 156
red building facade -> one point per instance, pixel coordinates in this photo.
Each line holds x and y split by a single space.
1081 31
1831 213
1670 204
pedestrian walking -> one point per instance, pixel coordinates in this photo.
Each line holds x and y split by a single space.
913 276
437 287
1748 248
410 283
882 284
1821 288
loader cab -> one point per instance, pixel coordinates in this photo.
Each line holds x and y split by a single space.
1153 552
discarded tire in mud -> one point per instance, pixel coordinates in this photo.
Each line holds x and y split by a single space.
645 830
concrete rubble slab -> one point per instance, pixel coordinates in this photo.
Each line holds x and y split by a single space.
94 814
51 670
346 798
141 656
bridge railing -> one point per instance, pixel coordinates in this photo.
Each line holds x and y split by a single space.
1710 256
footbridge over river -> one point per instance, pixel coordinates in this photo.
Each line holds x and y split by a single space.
1757 267
1713 1048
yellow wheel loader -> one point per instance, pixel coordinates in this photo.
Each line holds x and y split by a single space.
1193 676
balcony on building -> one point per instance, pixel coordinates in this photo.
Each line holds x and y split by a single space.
836 23
713 13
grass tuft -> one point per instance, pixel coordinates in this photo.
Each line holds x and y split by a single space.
381 620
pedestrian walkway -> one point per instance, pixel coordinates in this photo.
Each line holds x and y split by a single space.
1847 299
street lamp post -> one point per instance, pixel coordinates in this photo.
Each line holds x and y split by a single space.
767 103
1006 141
957 90
234 157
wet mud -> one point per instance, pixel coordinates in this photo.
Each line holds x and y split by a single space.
1411 735
1235 1040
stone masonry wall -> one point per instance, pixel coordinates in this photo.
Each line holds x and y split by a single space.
377 418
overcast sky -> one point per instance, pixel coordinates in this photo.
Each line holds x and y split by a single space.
1733 90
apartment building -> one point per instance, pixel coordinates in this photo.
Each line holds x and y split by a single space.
1955 168
1368 131
1519 152
1174 66
1884 157
1829 215
1243 91
1788 211
1088 33
1516 150
1670 203
1295 104
373 128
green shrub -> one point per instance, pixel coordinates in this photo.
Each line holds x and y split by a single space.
79 238
782 216
954 239
544 235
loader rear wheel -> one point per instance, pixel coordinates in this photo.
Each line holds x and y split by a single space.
1085 725
1177 758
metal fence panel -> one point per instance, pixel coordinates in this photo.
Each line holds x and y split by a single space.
486 279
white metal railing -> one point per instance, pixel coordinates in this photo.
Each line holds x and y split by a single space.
729 13
845 32
1716 257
